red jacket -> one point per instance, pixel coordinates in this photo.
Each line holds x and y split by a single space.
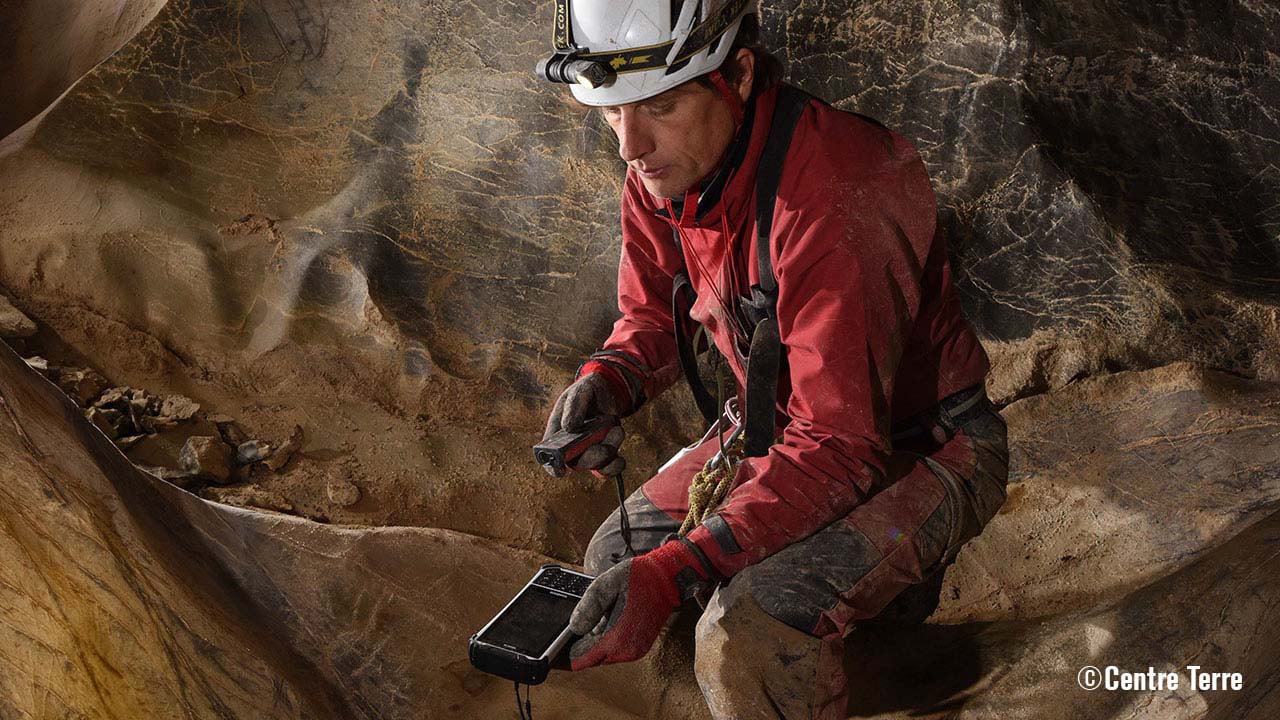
869 319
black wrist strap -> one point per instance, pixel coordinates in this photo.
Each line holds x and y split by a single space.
712 574
624 357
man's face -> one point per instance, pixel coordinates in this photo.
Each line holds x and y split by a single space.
672 140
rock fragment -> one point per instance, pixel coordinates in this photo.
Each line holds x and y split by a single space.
13 323
106 420
125 443
84 385
112 396
178 408
251 472
229 430
182 478
142 402
207 457
252 451
155 423
144 413
281 456
169 436
342 492
248 496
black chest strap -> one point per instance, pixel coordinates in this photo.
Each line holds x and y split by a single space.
765 359
682 299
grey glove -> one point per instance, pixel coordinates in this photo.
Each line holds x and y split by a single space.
587 398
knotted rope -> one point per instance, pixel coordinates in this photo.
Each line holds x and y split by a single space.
710 486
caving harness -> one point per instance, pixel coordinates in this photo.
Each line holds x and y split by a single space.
754 430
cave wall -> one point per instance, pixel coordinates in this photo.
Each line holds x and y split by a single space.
1105 169
379 200
47 45
306 171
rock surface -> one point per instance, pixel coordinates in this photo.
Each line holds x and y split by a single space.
1118 481
1067 145
343 287
13 324
1106 170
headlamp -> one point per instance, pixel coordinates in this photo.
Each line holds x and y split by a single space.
570 68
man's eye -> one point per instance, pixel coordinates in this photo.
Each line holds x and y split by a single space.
661 109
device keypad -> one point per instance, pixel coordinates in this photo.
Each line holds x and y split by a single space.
566 582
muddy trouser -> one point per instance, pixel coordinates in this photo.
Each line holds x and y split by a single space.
770 643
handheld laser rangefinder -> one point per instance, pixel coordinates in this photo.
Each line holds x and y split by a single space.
562 449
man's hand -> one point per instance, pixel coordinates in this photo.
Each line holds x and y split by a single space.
589 397
625 608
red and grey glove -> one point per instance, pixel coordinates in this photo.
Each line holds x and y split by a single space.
625 608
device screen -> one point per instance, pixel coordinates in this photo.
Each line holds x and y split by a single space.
531 623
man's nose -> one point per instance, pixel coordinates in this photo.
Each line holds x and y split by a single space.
634 138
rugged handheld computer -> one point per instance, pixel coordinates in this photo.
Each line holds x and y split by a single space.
523 639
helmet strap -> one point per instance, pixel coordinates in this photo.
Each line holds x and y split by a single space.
729 96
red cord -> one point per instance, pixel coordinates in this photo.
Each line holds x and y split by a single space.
730 97
714 281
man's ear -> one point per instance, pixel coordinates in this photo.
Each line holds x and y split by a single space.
746 61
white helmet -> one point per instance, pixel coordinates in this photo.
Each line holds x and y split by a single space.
613 52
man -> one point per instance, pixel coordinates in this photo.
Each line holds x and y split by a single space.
889 456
